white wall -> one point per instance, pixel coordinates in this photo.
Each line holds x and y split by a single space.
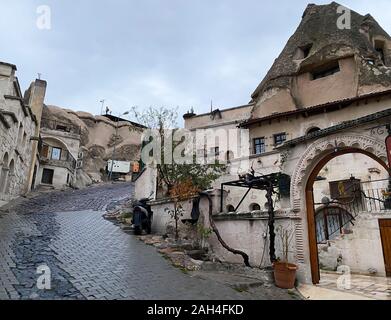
145 185
361 250
59 177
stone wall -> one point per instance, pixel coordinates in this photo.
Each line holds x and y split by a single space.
16 140
62 176
145 185
247 231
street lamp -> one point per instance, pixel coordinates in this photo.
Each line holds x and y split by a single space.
103 105
115 143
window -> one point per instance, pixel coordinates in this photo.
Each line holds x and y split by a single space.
45 151
255 207
259 146
331 222
326 71
24 139
302 52
379 47
20 134
306 50
279 139
345 190
56 153
230 156
230 208
62 128
313 130
216 151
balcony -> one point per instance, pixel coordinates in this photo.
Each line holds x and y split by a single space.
66 160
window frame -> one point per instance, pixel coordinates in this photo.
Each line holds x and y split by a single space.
275 137
326 71
59 156
255 145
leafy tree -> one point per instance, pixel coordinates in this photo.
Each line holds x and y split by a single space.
183 181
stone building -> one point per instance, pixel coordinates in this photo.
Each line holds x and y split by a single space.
48 146
19 133
89 142
319 116
59 153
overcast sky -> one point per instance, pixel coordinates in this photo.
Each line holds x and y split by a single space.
153 52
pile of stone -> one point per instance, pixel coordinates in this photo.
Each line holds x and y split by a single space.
183 254
120 213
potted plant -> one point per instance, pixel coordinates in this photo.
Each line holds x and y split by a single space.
285 272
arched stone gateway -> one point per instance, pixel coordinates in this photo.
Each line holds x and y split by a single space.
320 149
310 161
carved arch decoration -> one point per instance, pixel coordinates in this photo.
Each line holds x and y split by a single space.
325 146
308 161
63 143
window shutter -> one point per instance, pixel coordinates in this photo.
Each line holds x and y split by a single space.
45 151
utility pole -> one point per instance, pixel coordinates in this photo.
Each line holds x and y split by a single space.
113 156
115 144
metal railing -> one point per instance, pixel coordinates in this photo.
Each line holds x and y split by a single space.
365 197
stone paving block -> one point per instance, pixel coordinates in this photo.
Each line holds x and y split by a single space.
89 257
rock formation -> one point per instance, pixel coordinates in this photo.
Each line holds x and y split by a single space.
97 140
363 52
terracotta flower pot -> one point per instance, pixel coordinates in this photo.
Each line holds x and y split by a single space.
285 275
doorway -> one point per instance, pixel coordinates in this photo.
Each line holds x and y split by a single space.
47 176
385 232
311 203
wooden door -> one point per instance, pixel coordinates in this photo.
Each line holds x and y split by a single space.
313 243
385 232
45 151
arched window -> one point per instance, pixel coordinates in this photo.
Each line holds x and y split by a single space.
11 173
313 130
20 134
380 48
230 208
229 156
4 173
330 222
24 140
255 207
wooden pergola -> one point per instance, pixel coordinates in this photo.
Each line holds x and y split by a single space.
269 183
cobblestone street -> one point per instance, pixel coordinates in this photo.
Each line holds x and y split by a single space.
91 258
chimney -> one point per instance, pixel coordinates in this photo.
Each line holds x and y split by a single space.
35 97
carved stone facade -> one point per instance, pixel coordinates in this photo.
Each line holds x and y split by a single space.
18 133
298 120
